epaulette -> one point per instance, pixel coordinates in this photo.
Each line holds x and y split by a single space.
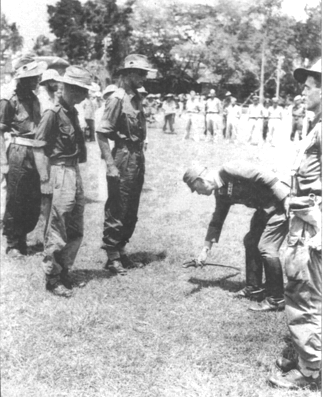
119 93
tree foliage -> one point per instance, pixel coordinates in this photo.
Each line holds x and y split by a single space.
10 36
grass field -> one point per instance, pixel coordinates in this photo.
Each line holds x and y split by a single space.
160 331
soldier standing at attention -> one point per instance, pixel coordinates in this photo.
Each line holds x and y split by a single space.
298 114
213 118
20 115
63 148
123 122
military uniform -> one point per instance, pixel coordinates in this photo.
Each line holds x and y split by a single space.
244 184
20 115
64 145
303 292
298 114
123 122
213 118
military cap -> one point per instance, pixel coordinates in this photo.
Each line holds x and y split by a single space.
109 89
76 75
275 100
228 93
297 98
301 74
192 174
137 61
28 67
169 96
50 74
142 90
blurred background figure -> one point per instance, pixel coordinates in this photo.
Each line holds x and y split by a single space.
194 121
255 116
265 115
213 117
226 102
169 108
275 116
233 118
298 114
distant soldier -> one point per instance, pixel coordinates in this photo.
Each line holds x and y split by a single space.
255 119
63 148
169 108
275 113
233 118
213 115
20 115
194 112
225 105
298 114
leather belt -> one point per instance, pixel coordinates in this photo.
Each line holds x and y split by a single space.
65 161
129 144
27 142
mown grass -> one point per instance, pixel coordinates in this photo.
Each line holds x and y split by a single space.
161 331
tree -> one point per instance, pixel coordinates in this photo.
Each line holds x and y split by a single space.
43 46
10 37
97 30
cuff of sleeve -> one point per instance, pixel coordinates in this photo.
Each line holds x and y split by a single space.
212 235
280 190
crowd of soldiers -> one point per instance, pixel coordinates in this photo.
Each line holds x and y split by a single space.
46 144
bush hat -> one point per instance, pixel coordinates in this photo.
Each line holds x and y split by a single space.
192 174
275 100
228 93
298 98
142 90
301 74
76 75
28 67
50 74
137 61
169 96
109 89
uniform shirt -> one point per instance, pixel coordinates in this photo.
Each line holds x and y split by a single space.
233 112
308 168
255 111
123 117
20 113
275 113
193 105
89 109
60 129
213 105
298 111
169 107
242 183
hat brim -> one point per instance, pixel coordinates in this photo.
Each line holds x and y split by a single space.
67 80
57 79
139 67
301 74
39 70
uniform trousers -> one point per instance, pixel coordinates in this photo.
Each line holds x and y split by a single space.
169 119
232 128
297 127
23 196
262 243
213 123
303 294
196 125
255 130
274 129
64 228
121 208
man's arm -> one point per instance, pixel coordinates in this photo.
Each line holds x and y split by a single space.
112 170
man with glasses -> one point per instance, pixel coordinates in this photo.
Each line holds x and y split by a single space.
242 183
123 122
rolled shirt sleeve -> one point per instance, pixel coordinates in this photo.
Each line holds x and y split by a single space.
46 131
109 122
6 115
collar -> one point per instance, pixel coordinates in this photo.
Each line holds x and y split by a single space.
66 107
23 94
317 119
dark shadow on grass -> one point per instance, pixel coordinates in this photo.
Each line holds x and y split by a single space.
223 282
85 275
146 257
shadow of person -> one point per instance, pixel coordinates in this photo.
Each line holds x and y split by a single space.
82 276
223 282
146 257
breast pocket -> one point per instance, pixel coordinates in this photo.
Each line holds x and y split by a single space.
67 136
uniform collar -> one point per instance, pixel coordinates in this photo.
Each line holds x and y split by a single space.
23 94
66 107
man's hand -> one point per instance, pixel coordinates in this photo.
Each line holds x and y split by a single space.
201 259
46 187
113 172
